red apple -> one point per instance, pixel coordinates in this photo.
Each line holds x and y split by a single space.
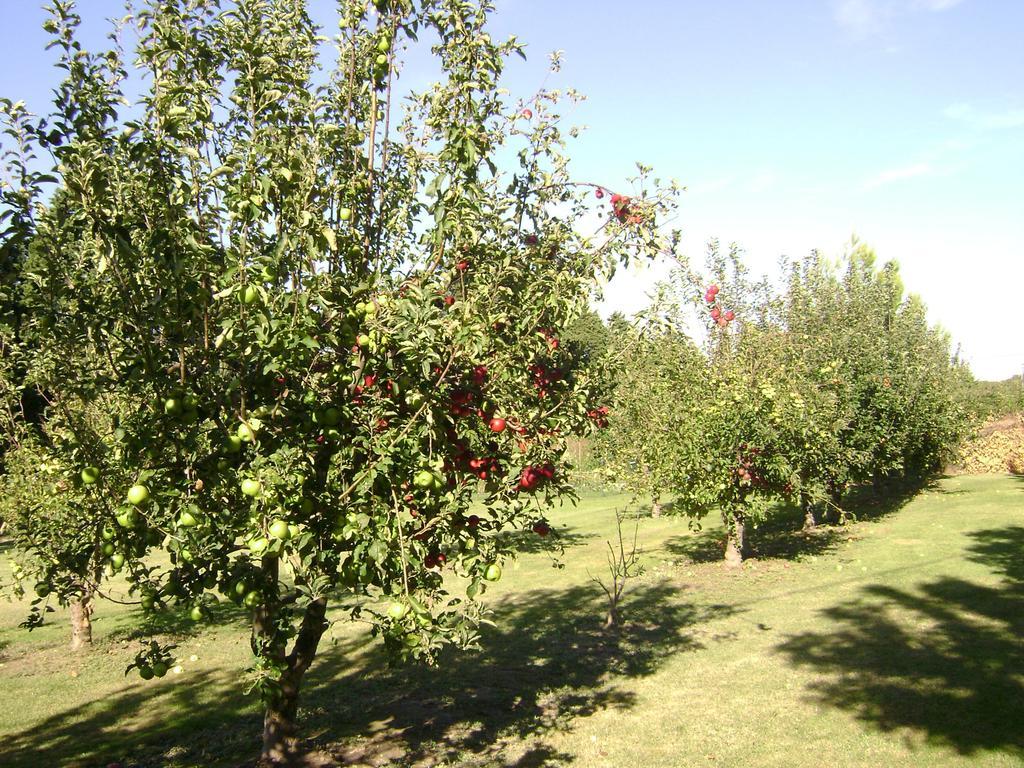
497 424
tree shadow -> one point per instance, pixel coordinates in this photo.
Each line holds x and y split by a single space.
772 539
781 536
873 502
175 622
555 543
143 724
943 661
1002 549
545 662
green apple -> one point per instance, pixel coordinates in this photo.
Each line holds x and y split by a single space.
173 406
187 520
42 588
293 530
108 532
344 214
362 340
251 487
424 479
246 433
397 610
250 295
90 475
138 495
258 545
233 444
280 530
252 599
197 613
107 548
128 518
330 417
493 572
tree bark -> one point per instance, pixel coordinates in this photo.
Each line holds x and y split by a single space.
81 621
810 521
656 507
736 546
279 720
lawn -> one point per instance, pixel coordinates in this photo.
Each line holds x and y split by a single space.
897 640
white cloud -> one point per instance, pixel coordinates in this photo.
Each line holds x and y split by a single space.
937 5
867 18
762 181
898 174
859 17
968 115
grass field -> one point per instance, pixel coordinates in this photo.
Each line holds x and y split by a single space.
895 641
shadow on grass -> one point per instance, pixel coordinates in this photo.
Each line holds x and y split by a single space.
545 663
778 537
175 622
781 535
945 660
556 542
873 502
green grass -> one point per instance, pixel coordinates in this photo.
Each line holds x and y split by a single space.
895 641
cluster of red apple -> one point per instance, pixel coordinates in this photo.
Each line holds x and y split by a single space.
720 317
550 338
445 299
544 377
483 467
533 476
622 207
435 560
746 472
599 416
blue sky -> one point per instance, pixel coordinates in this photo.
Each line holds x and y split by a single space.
793 123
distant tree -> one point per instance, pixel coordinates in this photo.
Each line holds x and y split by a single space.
589 334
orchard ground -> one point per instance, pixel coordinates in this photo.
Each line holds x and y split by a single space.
893 641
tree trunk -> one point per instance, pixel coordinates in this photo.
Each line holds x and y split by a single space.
832 513
656 507
279 720
81 621
736 548
810 521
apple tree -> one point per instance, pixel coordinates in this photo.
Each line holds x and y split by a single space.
51 501
329 309
712 426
